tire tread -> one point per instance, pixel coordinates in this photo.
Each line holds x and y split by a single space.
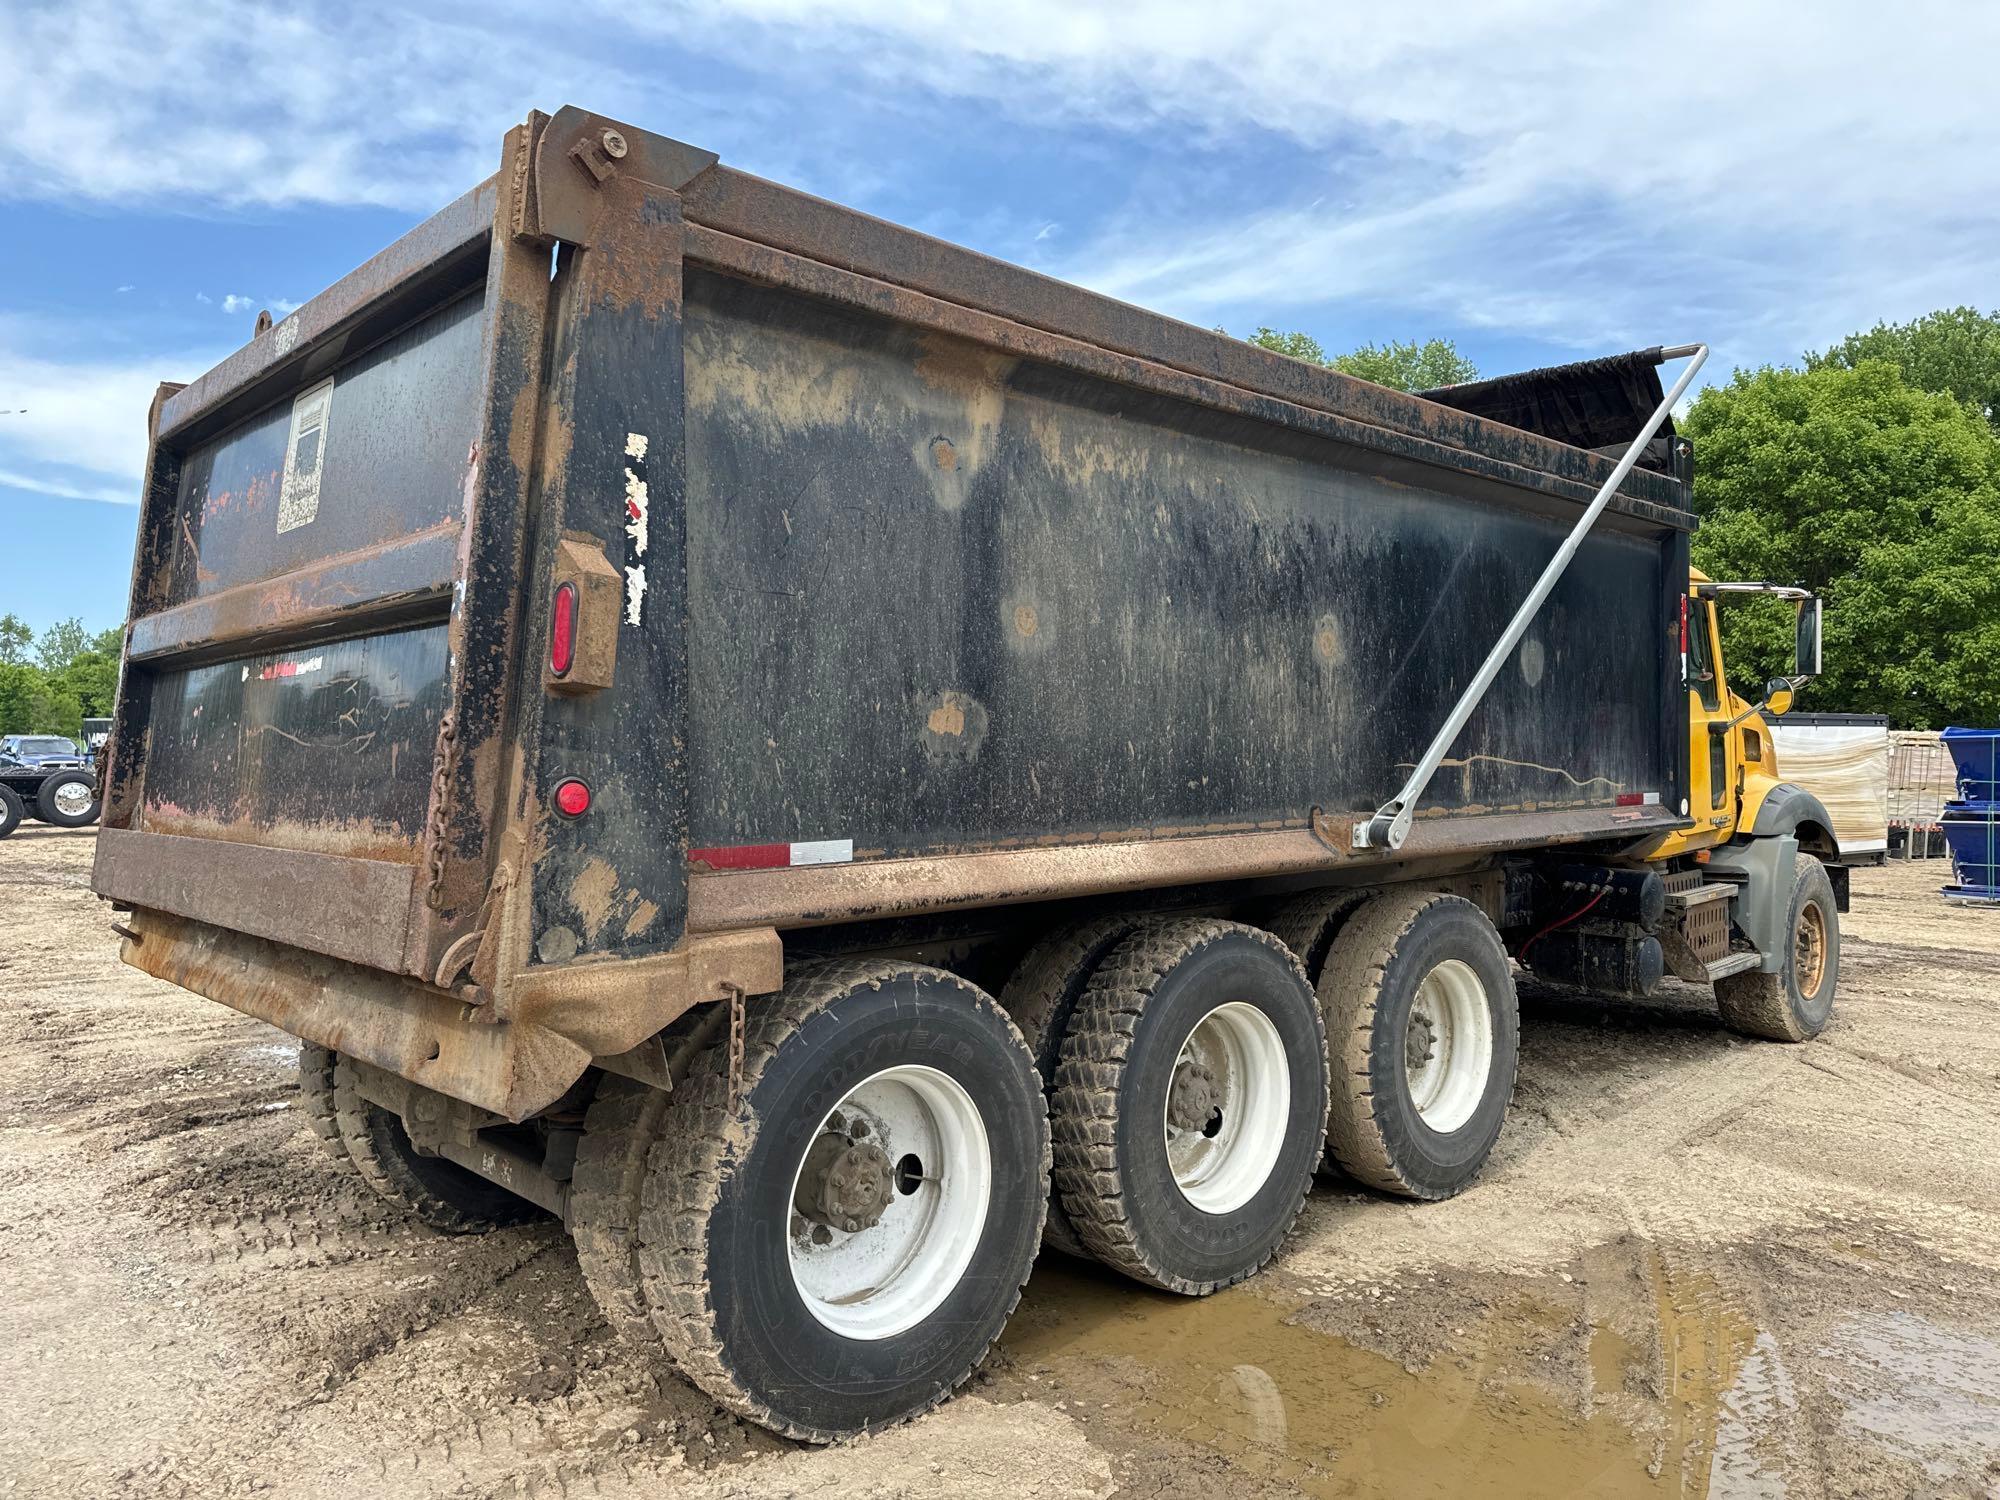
700 1138
383 1168
316 1102
1351 994
1040 998
1084 1110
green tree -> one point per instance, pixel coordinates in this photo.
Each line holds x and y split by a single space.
61 644
1955 351
92 679
57 709
20 687
1297 345
1403 366
109 642
1411 366
16 637
1883 499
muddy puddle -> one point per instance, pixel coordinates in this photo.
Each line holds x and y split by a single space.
1654 1384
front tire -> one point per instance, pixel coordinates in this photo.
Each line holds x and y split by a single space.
11 811
898 1107
1423 1038
1794 1004
68 799
1190 1106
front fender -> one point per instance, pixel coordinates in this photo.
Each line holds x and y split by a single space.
1782 808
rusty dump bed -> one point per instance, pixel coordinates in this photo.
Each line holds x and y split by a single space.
892 579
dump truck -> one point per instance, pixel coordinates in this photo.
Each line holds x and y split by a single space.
827 762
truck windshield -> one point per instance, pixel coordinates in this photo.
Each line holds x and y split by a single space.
46 745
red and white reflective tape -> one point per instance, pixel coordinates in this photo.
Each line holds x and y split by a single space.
1638 799
775 856
277 671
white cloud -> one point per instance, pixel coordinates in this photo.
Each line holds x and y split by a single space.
1592 171
83 431
232 303
126 288
203 297
111 493
237 101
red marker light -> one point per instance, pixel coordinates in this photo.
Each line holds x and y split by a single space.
572 798
562 632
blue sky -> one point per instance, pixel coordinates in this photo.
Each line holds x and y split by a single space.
1539 181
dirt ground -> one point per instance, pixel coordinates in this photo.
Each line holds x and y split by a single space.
1698 1265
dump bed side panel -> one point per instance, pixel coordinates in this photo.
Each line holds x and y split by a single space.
945 599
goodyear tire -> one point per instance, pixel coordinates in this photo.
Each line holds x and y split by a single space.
441 1193
1423 1040
68 799
10 811
1039 998
898 1107
1794 1004
1190 1105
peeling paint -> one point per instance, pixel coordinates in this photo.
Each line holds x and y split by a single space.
955 727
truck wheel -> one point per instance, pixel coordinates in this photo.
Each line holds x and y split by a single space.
1308 925
1191 1104
316 1102
837 1248
606 1183
1423 1037
68 799
10 811
1794 1004
1039 999
441 1193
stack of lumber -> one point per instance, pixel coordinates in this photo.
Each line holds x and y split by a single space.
1842 759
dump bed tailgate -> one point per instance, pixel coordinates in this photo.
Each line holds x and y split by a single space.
293 679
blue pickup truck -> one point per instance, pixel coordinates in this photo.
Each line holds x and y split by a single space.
45 776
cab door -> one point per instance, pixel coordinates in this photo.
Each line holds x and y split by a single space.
1712 760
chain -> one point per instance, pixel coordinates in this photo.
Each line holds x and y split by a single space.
441 783
735 1045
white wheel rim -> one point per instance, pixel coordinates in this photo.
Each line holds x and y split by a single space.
1220 1164
73 799
888 1277
1448 1048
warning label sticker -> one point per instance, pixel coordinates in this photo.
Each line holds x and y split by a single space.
305 454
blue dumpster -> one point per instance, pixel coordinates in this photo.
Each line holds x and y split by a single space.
1976 754
1972 829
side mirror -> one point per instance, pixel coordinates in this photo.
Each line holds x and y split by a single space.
1807 642
1777 696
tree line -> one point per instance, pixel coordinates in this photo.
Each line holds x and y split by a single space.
51 683
1868 472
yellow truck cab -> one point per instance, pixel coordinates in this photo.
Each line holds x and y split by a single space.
1754 889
